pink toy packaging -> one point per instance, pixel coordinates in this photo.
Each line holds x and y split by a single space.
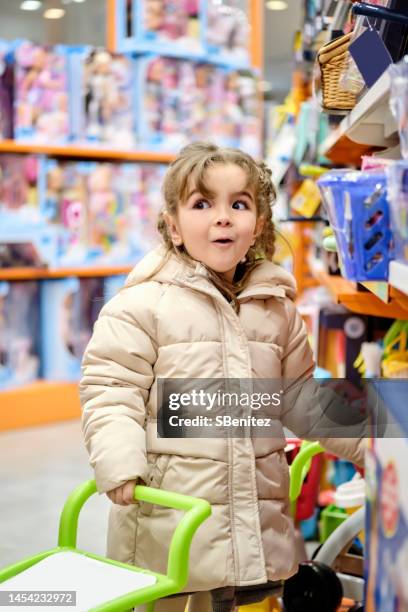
19 325
107 114
6 90
41 110
171 22
19 187
63 205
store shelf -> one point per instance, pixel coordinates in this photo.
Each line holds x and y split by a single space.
83 152
13 274
370 125
37 404
363 302
398 276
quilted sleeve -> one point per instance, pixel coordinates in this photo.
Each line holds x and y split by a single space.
117 373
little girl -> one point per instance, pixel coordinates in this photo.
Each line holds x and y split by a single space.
209 303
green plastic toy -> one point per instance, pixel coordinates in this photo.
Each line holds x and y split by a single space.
65 565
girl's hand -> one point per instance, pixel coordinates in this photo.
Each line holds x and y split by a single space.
123 495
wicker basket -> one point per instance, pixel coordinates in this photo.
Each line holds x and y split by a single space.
332 58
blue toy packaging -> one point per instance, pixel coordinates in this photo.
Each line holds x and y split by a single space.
6 90
69 309
19 333
358 210
386 555
227 32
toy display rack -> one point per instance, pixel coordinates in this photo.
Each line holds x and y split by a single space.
47 402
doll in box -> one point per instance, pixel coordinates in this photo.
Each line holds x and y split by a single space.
18 185
19 318
107 229
108 101
41 93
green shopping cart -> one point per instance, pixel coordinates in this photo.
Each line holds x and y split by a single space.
100 584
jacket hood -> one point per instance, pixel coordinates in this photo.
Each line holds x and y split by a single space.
267 280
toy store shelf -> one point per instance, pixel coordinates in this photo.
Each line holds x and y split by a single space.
398 276
363 302
38 403
72 151
13 274
369 125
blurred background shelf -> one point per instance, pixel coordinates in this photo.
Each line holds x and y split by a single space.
345 292
12 274
83 152
369 126
38 403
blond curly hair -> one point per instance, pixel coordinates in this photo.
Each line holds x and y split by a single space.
189 169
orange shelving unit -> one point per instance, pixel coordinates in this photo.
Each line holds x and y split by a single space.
364 302
83 152
38 403
13 274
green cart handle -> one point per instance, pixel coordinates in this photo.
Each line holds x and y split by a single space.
197 511
300 467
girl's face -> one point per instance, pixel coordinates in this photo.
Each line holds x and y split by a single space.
218 231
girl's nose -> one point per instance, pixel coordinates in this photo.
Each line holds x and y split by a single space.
223 221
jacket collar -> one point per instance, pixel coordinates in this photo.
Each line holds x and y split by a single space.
267 280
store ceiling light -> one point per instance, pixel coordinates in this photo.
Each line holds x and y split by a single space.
54 13
30 5
277 5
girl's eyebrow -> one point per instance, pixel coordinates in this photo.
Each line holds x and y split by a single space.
245 193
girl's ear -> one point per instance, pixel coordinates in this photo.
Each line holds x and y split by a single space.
258 228
173 229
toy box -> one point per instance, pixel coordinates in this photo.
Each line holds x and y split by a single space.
19 329
112 285
6 90
104 112
18 186
163 26
69 309
41 107
227 32
63 196
386 555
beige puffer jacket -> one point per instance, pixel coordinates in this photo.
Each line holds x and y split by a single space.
178 325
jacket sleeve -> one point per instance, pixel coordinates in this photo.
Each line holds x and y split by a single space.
117 373
307 404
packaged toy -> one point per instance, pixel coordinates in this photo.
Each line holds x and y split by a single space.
18 186
227 31
6 90
19 328
69 309
41 93
172 27
397 184
386 554
107 114
63 205
107 212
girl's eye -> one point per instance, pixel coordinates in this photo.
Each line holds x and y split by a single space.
201 204
240 205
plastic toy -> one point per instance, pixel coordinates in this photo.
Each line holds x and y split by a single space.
101 584
18 186
69 309
41 93
19 324
358 210
107 114
397 185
